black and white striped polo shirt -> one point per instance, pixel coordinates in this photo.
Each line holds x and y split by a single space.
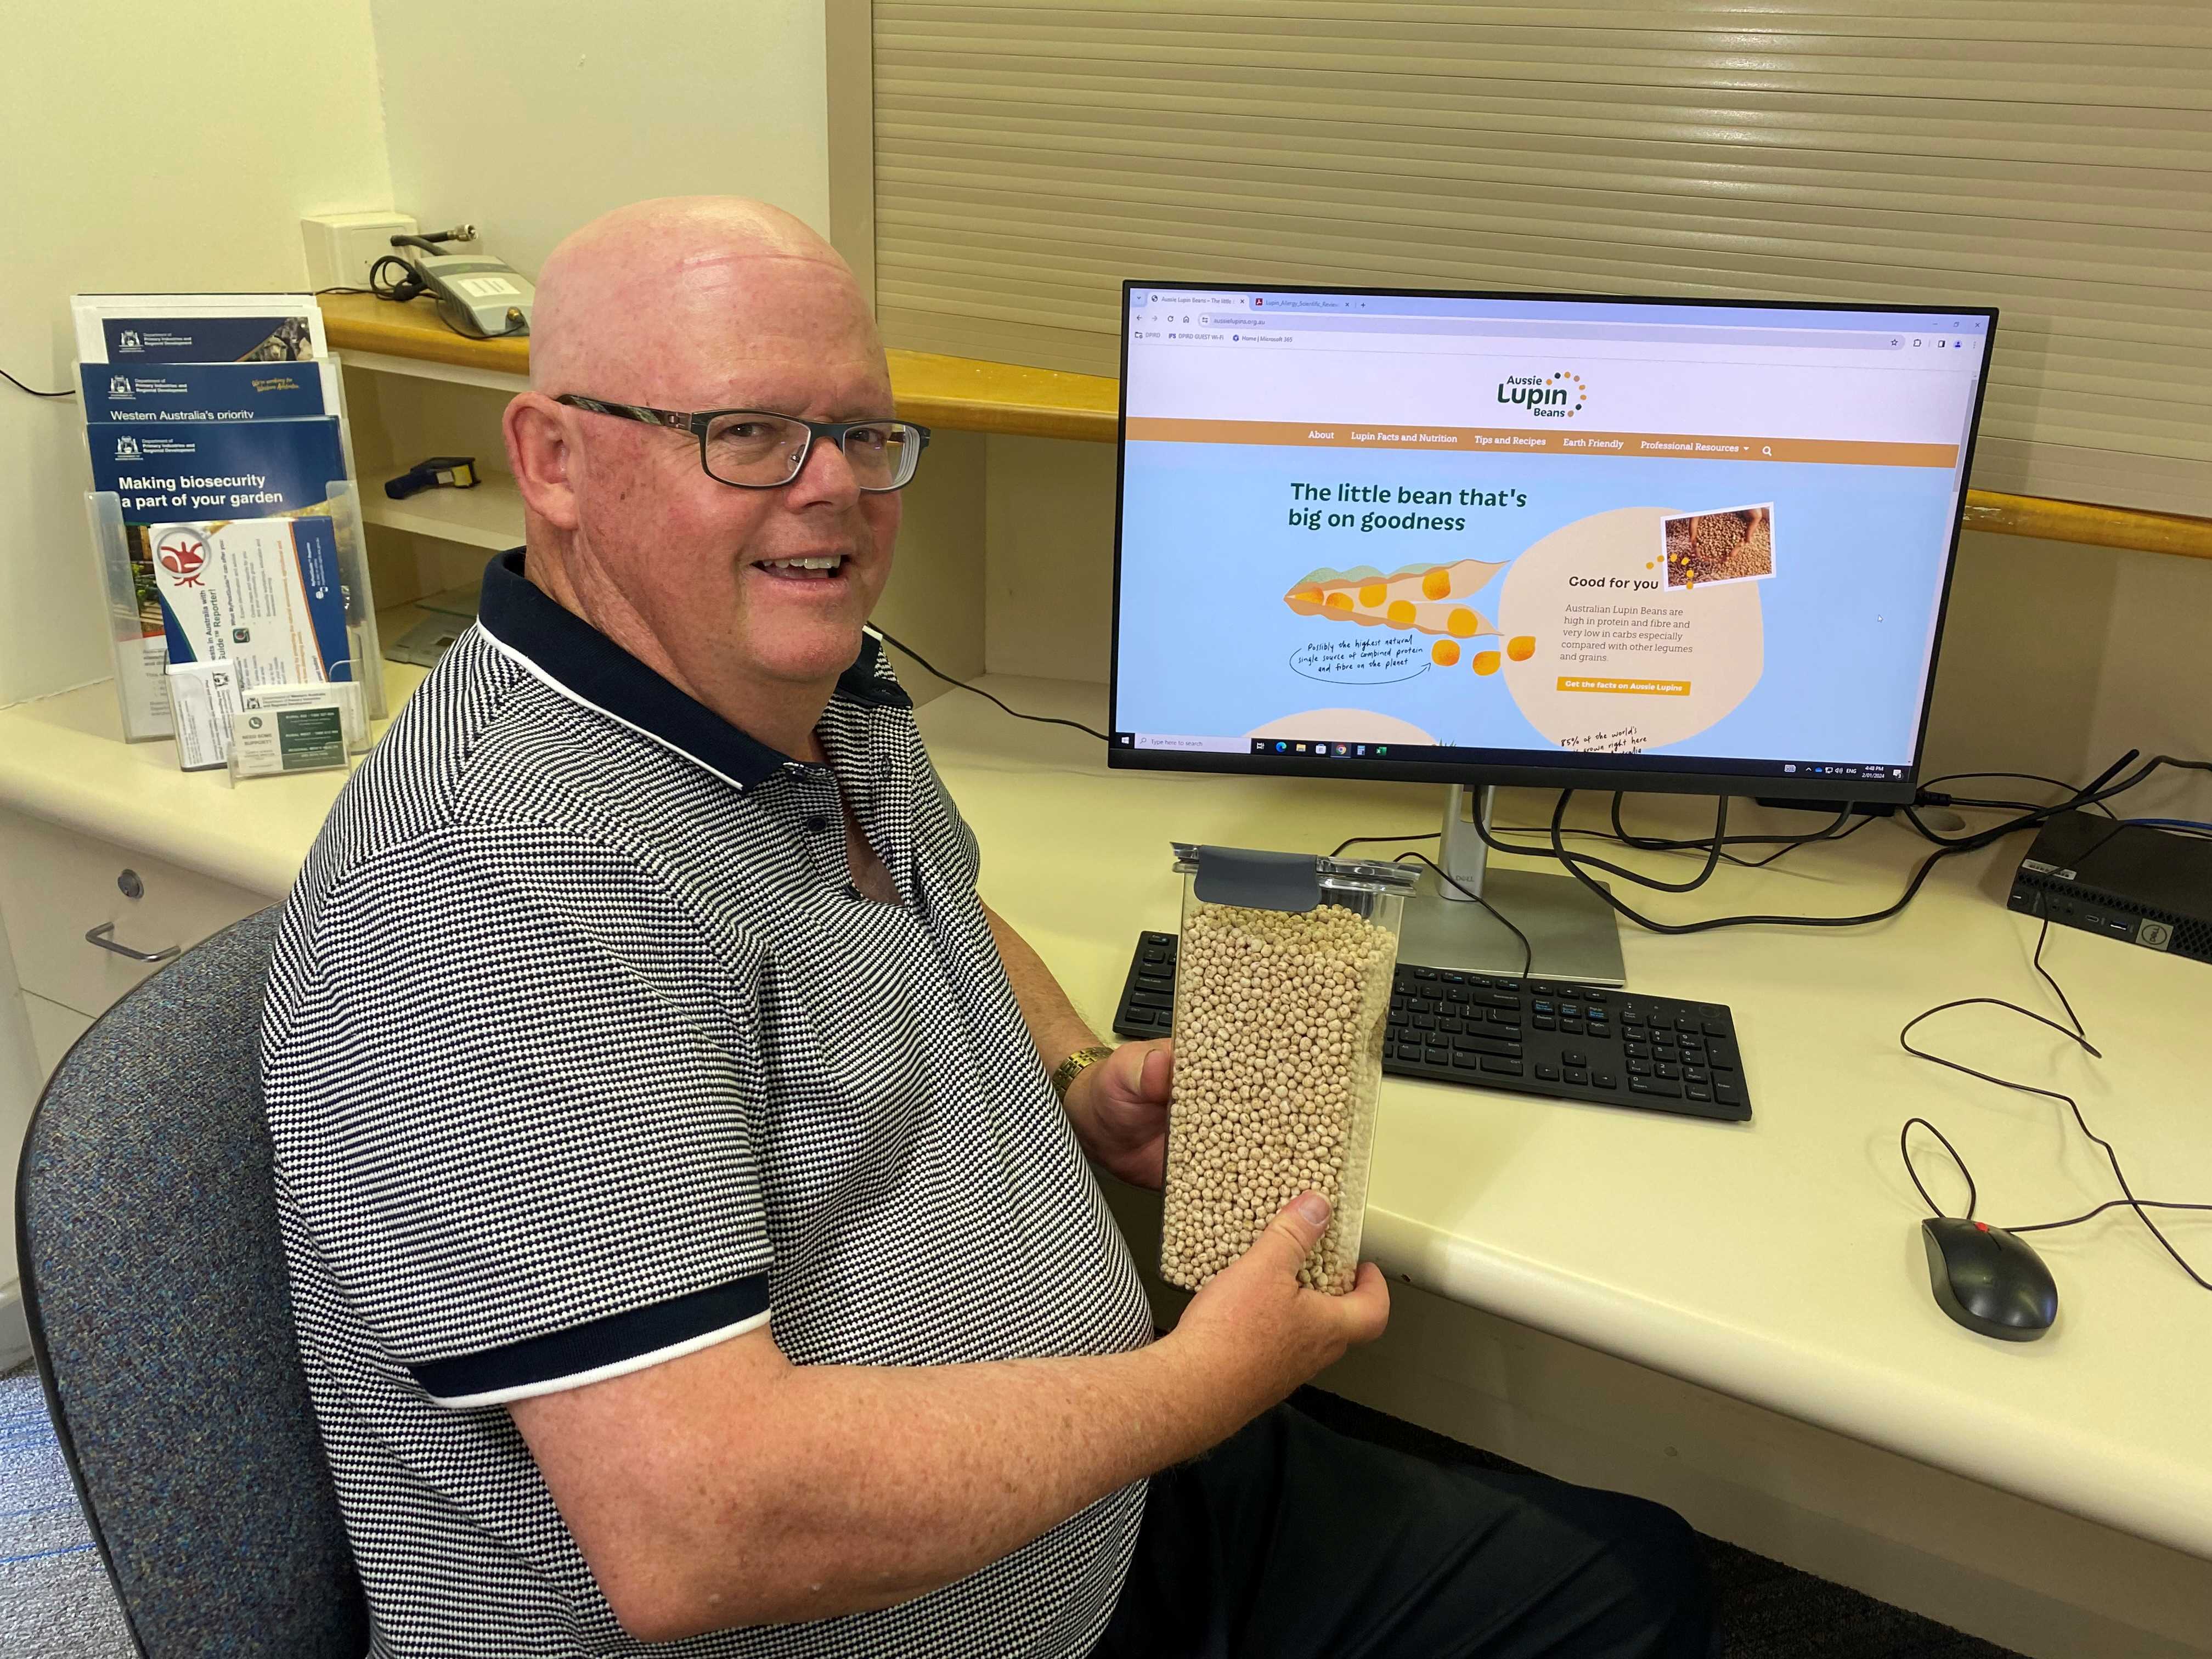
581 1053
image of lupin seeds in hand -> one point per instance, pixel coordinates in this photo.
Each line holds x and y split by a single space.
1733 545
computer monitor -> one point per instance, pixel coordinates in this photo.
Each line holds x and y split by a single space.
1679 545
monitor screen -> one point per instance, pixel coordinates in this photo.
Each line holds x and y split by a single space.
1577 542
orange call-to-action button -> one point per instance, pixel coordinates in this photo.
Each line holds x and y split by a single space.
1634 688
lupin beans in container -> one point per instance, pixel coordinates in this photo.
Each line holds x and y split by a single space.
1281 1001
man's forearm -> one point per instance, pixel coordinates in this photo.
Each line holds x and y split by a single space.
1054 1026
855 1487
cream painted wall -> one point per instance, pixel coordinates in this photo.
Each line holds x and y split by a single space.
149 147
530 117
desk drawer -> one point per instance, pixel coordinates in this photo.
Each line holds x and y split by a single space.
56 885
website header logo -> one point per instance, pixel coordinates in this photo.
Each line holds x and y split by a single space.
1557 396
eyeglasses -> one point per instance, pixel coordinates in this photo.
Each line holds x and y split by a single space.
757 449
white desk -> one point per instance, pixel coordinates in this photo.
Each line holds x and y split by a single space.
1782 1373
1777 1262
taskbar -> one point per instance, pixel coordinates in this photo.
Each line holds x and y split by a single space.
1445 757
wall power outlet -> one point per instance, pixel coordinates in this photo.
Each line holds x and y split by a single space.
342 247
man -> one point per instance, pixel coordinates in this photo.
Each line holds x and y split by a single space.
687 1243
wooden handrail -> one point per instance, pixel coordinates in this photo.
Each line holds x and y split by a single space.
968 394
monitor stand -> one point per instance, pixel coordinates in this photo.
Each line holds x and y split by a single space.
1573 930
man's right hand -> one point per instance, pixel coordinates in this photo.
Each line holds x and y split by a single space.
1260 1332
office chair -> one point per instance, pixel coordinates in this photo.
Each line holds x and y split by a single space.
154 1280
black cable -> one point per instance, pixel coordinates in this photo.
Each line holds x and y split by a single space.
1364 840
2032 777
2142 1208
31 391
1527 950
2099 789
1042 719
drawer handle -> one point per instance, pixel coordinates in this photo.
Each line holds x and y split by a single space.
100 936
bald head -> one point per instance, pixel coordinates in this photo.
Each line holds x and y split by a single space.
648 303
751 599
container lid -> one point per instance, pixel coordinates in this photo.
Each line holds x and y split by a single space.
1281 881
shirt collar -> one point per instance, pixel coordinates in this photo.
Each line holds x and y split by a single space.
559 648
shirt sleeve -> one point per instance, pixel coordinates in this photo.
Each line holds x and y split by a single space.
513 1089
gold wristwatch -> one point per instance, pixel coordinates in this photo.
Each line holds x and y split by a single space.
1065 1074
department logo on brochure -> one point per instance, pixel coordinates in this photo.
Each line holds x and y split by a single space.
128 341
118 385
126 448
1557 396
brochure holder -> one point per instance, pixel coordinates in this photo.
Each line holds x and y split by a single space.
136 638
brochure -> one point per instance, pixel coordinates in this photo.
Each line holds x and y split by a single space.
261 594
138 329
172 392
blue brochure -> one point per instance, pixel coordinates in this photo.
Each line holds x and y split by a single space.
207 391
200 469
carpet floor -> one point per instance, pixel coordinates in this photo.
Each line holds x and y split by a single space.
56 1602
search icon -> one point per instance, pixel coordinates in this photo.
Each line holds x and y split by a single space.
1768 450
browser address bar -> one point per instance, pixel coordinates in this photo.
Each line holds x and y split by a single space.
1837 339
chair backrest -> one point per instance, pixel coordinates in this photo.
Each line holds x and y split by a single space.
155 1282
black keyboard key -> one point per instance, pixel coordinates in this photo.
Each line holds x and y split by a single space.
1668 1070
1438 1054
1543 1007
1150 1000
1684 1023
1543 1022
1696 1093
1485 1043
1573 1028
1714 1028
1637 1050
1605 1079
1453 978
1503 1066
1574 1076
1547 1073
1145 1016
1402 1017
1465 1060
1639 1068
1570 1011
1728 1094
1645 1086
1425 973
1721 1056
1458 993
1696 1074
1500 1017
1425 1022
1594 995
1574 1057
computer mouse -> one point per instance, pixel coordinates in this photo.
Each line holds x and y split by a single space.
1988 1279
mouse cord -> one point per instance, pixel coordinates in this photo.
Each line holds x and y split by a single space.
2140 1206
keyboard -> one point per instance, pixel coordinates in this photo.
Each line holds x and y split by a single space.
1539 1037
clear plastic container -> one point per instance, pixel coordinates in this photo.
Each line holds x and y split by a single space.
1282 998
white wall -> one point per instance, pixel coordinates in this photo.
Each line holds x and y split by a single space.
148 146
531 117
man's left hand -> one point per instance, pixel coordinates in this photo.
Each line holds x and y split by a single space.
1119 1110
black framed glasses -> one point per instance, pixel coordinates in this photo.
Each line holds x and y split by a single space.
759 449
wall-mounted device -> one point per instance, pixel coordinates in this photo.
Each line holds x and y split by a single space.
343 247
477 295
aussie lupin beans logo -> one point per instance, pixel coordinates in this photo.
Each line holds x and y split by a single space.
1557 396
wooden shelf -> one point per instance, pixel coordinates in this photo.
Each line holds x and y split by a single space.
967 394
